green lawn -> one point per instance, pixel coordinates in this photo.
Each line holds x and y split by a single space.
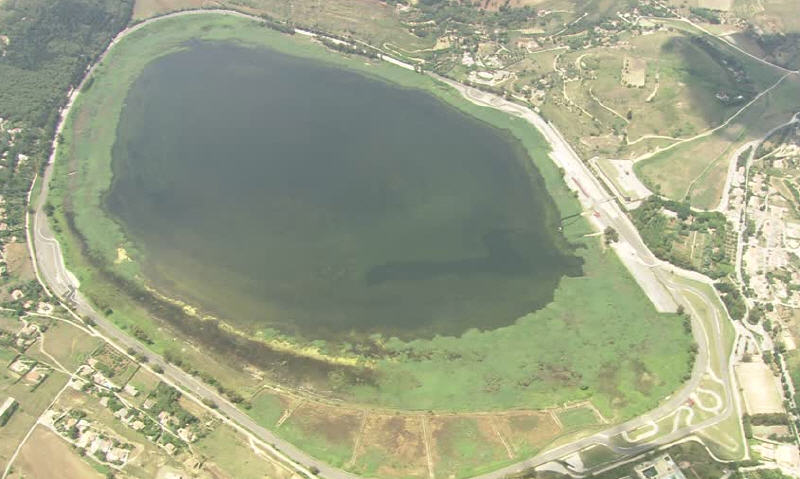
600 339
267 408
577 418
227 449
598 455
463 450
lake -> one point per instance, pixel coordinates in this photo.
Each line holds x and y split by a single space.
283 193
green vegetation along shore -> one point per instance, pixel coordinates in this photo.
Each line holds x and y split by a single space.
600 339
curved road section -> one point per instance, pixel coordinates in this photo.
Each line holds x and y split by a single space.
653 275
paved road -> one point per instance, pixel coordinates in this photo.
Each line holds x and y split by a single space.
647 269
654 275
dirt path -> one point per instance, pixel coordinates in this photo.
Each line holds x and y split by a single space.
506 445
711 131
359 437
426 437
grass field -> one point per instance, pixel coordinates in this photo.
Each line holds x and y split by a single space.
373 22
636 355
31 405
693 83
465 446
230 453
384 443
597 456
69 345
328 433
697 168
577 418
392 446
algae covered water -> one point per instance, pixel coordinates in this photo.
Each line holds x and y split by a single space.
284 193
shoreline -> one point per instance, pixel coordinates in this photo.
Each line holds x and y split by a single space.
554 185
533 157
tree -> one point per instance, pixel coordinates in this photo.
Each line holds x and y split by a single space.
611 235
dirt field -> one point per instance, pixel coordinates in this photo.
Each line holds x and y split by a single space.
381 444
150 8
496 4
761 394
376 443
327 432
18 261
634 72
391 446
45 456
234 458
463 443
724 5
528 433
69 345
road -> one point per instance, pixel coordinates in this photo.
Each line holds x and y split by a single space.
754 331
651 274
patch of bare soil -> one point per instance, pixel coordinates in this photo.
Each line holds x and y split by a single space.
151 8
464 442
528 432
47 455
395 445
335 424
18 261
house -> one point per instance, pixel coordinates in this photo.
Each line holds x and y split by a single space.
82 425
121 413
100 444
85 439
131 390
117 455
166 418
186 434
170 448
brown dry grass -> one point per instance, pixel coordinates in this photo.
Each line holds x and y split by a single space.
724 5
69 345
369 20
150 8
528 432
336 425
395 443
462 444
18 261
46 455
495 5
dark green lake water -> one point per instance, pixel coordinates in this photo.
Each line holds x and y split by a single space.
281 192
